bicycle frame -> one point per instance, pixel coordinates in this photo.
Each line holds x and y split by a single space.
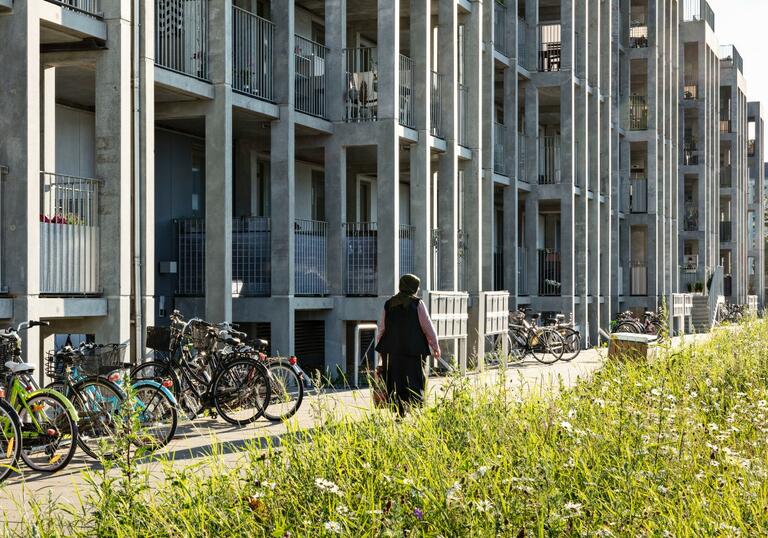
19 397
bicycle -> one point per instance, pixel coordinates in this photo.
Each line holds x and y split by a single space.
10 438
650 324
48 420
231 384
571 336
543 343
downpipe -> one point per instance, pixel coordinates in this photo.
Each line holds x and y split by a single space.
137 190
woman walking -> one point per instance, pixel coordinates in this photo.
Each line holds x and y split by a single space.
406 338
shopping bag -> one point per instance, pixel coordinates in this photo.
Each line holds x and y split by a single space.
379 388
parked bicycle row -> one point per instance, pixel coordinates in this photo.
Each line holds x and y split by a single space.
650 323
96 397
731 313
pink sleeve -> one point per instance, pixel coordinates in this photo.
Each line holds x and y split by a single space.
382 321
427 327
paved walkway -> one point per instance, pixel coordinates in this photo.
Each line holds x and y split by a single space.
196 440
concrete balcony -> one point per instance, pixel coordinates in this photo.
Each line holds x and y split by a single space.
69 235
638 113
87 7
310 84
638 35
253 54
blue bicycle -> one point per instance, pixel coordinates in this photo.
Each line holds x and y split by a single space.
91 377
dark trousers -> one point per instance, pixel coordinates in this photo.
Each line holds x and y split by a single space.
404 377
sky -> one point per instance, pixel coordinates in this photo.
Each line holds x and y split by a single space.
742 23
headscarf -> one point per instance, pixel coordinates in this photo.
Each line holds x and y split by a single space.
409 287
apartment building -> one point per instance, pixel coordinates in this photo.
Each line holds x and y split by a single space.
756 201
281 163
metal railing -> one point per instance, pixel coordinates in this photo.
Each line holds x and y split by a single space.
639 279
181 36
690 152
360 275
310 77
691 217
638 194
436 105
638 35
726 231
751 147
699 10
522 271
69 235
89 7
406 92
499 149
407 261
251 256
463 96
522 49
730 55
521 175
726 180
549 160
691 92
638 113
500 27
361 80
692 279
550 47
550 273
311 257
253 54
725 125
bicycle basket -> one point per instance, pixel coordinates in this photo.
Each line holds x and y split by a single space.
7 350
200 335
56 363
101 359
159 338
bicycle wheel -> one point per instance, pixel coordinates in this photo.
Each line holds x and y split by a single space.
241 391
185 394
98 402
50 432
516 347
628 327
572 339
10 440
156 414
287 391
547 346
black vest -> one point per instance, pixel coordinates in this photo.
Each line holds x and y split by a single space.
402 331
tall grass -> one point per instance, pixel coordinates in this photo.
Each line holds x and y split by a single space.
676 447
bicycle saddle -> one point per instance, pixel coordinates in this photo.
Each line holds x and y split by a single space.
20 367
648 314
535 316
560 317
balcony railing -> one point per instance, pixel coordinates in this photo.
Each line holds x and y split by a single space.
407 260
690 152
463 96
638 195
691 217
521 176
751 147
691 92
311 257
729 55
406 92
310 77
549 160
550 274
69 235
362 83
638 113
639 279
699 10
251 256
436 105
550 47
499 149
253 54
725 125
181 30
725 177
726 231
500 27
522 271
361 258
638 35
89 7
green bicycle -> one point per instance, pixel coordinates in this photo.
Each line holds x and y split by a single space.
48 420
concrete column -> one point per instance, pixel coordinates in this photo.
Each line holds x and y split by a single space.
531 243
510 239
532 34
48 118
388 51
218 169
114 122
447 182
388 208
420 154
20 152
336 41
335 213
568 209
282 181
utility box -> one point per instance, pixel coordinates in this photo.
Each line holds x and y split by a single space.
632 347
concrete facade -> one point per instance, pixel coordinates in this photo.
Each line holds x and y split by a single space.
280 164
